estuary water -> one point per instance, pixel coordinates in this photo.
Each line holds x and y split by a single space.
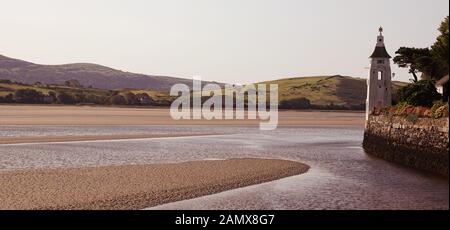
342 175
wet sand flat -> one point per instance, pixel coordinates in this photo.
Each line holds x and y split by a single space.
46 139
135 187
85 115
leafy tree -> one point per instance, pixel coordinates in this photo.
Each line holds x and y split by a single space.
440 48
430 67
112 93
79 98
421 93
131 99
297 103
408 58
65 98
94 99
27 96
117 100
144 99
432 63
7 99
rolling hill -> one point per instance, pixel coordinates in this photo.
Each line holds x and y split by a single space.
320 92
87 74
327 90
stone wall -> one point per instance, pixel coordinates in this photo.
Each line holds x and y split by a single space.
421 143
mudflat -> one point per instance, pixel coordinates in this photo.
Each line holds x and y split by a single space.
87 115
47 139
135 186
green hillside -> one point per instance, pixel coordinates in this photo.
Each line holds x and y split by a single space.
321 92
326 90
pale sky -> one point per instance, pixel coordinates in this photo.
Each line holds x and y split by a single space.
234 41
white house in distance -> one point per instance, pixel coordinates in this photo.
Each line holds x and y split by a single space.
379 90
442 87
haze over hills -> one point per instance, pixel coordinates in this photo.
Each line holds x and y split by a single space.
87 74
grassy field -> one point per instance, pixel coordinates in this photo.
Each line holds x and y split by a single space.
325 90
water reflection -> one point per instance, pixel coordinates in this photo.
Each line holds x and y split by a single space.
342 176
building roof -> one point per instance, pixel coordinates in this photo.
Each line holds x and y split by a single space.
380 52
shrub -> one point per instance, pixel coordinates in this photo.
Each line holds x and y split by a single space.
421 93
422 111
412 113
441 112
437 109
401 109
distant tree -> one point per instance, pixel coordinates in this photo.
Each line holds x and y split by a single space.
421 93
112 93
131 99
79 98
7 99
27 96
52 94
297 103
5 81
65 98
117 100
94 99
144 99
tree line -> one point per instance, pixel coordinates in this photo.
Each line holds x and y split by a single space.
432 63
31 96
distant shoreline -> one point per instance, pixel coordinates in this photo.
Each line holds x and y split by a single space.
99 115
60 139
165 107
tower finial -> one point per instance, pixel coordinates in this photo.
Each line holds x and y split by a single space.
380 29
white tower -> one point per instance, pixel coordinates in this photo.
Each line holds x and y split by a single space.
379 91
